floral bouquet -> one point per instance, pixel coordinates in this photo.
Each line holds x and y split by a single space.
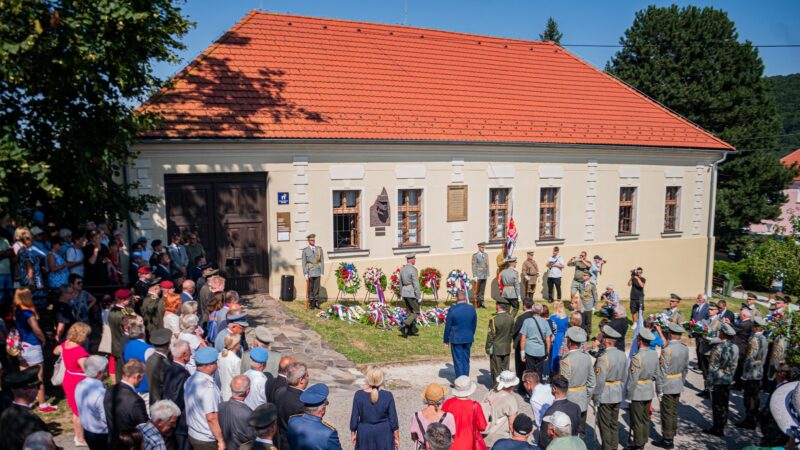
373 277
347 279
696 329
458 280
435 316
395 282
661 319
429 281
380 316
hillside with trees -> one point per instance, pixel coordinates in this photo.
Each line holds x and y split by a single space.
787 96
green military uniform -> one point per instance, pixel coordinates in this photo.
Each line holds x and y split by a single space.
704 346
313 268
722 367
587 292
609 372
675 316
776 357
411 295
673 365
640 389
498 343
153 313
115 325
511 290
530 276
480 271
752 374
576 367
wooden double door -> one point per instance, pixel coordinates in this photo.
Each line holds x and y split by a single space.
228 211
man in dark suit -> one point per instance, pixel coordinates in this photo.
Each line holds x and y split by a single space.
559 386
279 382
264 421
459 332
700 309
158 363
519 366
288 399
125 409
174 378
234 414
744 329
724 313
18 421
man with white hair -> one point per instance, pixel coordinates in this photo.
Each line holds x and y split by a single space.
187 291
560 431
258 380
163 417
234 414
89 394
174 378
40 440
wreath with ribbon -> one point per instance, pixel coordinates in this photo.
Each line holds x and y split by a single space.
458 280
347 279
429 281
395 282
372 277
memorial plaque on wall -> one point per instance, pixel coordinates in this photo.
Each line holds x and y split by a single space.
457 203
284 226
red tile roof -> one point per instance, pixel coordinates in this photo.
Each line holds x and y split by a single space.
292 77
792 159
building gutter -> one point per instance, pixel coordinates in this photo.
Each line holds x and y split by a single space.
712 205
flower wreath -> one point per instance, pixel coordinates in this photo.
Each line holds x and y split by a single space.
372 277
347 279
395 282
458 280
430 280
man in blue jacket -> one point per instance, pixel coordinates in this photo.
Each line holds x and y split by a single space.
308 431
459 332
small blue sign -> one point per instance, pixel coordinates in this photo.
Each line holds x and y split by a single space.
283 198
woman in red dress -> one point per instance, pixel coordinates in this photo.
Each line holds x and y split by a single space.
468 414
74 355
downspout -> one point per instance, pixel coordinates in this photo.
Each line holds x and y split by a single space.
712 205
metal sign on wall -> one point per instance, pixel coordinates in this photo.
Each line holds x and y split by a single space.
283 198
284 226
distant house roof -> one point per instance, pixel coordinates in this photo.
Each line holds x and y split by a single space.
276 76
792 159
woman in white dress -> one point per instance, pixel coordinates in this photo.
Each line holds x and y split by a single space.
229 364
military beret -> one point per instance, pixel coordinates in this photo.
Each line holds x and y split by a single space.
161 337
206 355
22 379
238 319
675 328
166 284
751 295
263 416
144 270
576 334
263 335
610 332
727 329
411 256
760 321
122 294
511 260
259 355
311 236
675 297
713 305
646 334
315 395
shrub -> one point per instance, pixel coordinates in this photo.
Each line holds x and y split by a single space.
736 270
769 256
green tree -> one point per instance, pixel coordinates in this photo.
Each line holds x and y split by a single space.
70 71
787 95
690 59
551 32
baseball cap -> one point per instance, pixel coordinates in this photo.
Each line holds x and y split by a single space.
523 424
558 419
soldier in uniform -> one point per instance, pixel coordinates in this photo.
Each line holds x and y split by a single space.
480 271
776 356
609 372
313 268
498 340
120 309
722 366
640 388
752 373
704 346
409 291
308 431
530 276
673 312
576 367
673 365
751 305
264 421
511 291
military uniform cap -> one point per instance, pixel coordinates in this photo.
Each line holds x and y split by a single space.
646 334
713 305
311 236
135 255
675 328
482 244
144 270
315 395
411 256
760 321
675 297
154 281
712 339
576 334
263 416
238 319
751 295
209 272
122 294
530 252
610 332
22 379
263 335
259 355
206 355
511 260
161 337
727 329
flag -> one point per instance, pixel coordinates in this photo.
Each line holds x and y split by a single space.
381 297
511 235
464 287
633 350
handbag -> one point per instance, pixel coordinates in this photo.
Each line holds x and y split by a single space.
58 370
480 444
105 340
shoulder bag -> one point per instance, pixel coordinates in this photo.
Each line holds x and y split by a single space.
58 370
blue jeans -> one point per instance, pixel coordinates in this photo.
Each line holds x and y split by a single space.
461 355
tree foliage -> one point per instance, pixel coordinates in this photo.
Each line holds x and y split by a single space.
551 32
775 254
690 59
69 72
786 89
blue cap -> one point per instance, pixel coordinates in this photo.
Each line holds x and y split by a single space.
135 255
238 319
38 216
142 239
259 355
206 355
315 395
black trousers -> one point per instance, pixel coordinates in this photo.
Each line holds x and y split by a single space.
669 415
553 286
608 422
752 400
182 442
582 425
202 445
96 441
313 290
587 322
640 422
535 363
702 360
636 303
720 396
480 291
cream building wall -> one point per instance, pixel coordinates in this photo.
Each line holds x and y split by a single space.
589 179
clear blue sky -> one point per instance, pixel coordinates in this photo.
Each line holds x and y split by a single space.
581 21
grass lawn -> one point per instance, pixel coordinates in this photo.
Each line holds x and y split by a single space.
363 344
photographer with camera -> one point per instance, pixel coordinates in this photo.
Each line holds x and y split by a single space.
612 301
636 282
582 266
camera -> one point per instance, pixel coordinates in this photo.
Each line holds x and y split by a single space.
633 273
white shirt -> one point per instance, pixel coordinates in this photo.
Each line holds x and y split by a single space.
555 272
541 399
89 394
172 323
257 395
201 396
227 368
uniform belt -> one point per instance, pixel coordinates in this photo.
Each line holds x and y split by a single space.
613 382
644 381
312 264
675 375
758 361
577 388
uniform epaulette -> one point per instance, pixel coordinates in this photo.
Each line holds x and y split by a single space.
296 415
329 425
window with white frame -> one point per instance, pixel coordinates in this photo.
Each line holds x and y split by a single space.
409 217
672 209
548 213
498 213
627 211
346 219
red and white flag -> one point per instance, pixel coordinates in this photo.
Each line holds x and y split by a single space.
511 236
